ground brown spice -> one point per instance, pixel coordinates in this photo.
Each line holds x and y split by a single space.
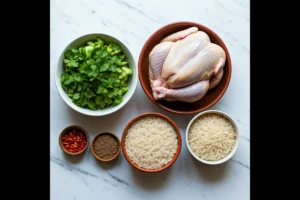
106 146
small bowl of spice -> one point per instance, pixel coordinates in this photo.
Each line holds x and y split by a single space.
106 146
73 140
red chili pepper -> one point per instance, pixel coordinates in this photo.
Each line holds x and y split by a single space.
74 141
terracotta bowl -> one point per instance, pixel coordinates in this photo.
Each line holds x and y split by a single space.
154 115
66 130
102 159
210 98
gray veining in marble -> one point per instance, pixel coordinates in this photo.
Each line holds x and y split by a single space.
133 21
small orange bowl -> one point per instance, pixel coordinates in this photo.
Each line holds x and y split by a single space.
154 115
65 131
210 98
102 159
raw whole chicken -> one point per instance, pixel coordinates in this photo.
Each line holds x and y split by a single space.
185 65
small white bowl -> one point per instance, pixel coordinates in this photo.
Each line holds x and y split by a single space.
226 158
132 80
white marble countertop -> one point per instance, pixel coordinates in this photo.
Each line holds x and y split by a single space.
133 21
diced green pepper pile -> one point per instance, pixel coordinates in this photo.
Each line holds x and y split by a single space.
96 75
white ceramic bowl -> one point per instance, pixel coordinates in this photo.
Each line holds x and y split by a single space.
226 158
132 80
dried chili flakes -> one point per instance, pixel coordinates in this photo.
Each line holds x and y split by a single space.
74 140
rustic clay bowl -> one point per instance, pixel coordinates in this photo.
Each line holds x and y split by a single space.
154 115
66 130
102 159
210 98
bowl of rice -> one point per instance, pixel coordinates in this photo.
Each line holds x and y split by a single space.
151 142
212 137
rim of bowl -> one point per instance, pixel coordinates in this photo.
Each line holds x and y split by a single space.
103 133
236 145
72 105
155 114
205 29
63 132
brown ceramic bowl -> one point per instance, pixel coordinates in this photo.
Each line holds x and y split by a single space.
102 159
210 98
154 115
66 130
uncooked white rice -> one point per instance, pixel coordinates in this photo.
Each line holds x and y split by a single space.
151 142
211 137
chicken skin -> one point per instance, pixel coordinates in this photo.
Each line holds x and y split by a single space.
185 65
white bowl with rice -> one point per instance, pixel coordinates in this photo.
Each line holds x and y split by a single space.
212 137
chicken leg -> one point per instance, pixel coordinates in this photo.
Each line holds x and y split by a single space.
188 94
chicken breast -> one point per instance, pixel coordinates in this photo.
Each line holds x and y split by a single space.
182 52
202 66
